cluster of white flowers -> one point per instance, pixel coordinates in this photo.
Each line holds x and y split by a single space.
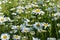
29 19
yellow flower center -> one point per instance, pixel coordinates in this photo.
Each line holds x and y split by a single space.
4 36
25 30
38 25
1 19
52 14
45 24
37 10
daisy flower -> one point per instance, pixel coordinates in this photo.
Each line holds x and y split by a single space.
5 36
16 37
2 19
37 25
25 30
46 25
38 11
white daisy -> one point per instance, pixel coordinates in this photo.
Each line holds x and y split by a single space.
2 19
25 30
5 36
37 25
46 25
15 37
38 11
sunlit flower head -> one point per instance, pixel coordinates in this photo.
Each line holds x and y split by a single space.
46 25
16 37
5 36
38 11
25 30
37 25
2 19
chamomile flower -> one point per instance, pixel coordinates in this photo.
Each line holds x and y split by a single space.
25 30
16 37
46 25
2 19
38 11
37 25
5 36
